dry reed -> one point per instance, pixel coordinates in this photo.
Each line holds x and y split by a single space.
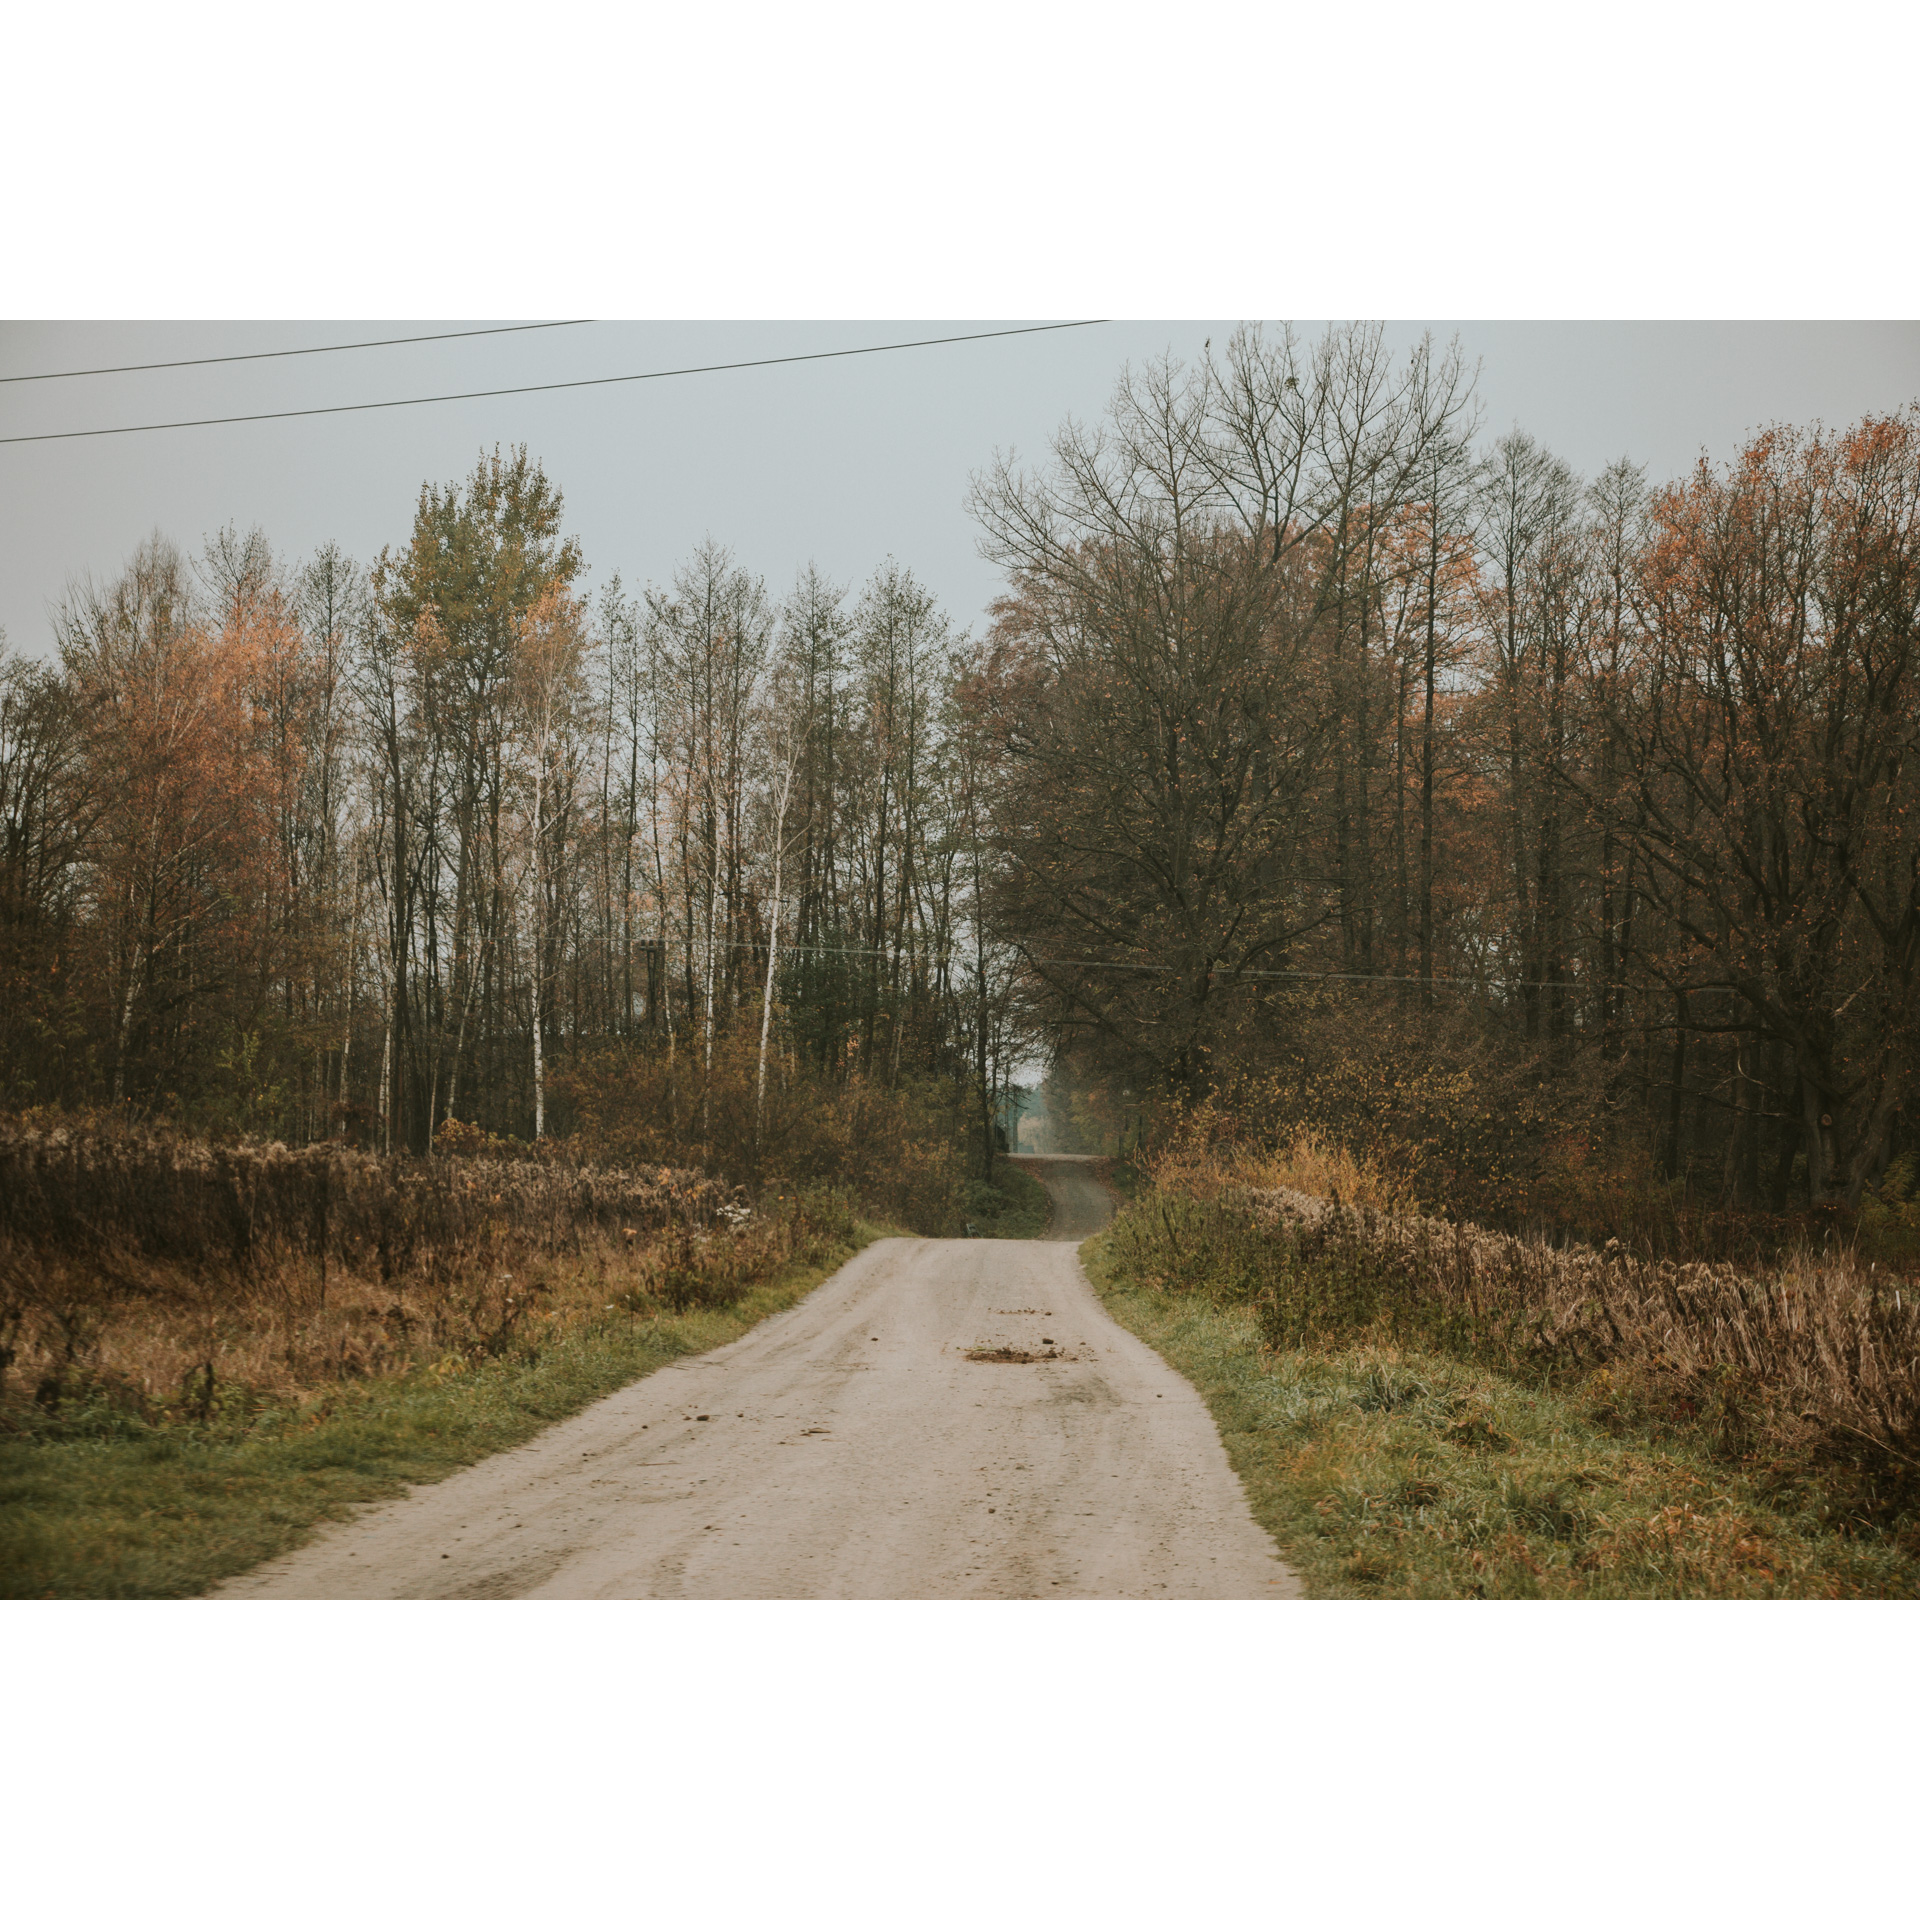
1813 1352
1826 1340
178 1277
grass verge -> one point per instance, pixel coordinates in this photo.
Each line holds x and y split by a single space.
1010 1206
1384 1471
108 1506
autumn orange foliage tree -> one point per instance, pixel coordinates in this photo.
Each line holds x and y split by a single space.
193 730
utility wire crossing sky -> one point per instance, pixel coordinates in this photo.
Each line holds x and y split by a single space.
295 353
865 453
500 393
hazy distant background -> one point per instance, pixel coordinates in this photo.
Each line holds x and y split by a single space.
842 462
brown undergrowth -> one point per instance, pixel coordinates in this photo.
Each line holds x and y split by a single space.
1805 1372
166 1279
1460 1129
900 1144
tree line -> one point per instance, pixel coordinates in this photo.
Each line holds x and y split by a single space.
332 848
1323 758
1503 816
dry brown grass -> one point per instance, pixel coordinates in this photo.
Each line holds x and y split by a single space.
1810 1350
1826 1345
186 1279
1387 1461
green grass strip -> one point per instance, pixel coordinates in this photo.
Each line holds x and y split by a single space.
1388 1472
138 1512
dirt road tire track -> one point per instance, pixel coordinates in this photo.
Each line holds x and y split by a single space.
848 1448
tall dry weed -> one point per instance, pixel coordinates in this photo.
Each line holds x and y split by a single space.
1811 1352
1827 1340
181 1278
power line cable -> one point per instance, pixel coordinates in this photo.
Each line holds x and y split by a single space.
1227 975
293 353
550 386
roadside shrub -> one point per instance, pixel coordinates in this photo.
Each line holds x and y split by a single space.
1448 1120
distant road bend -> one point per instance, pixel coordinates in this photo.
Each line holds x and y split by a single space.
850 1449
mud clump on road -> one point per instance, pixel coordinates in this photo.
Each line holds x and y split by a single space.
1017 1356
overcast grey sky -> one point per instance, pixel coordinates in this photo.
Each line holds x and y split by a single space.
841 462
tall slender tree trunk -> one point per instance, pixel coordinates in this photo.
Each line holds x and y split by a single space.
773 949
539 957
1676 1097
1427 674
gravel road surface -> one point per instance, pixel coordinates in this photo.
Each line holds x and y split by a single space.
850 1449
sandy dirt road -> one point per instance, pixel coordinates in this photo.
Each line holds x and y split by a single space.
849 1449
